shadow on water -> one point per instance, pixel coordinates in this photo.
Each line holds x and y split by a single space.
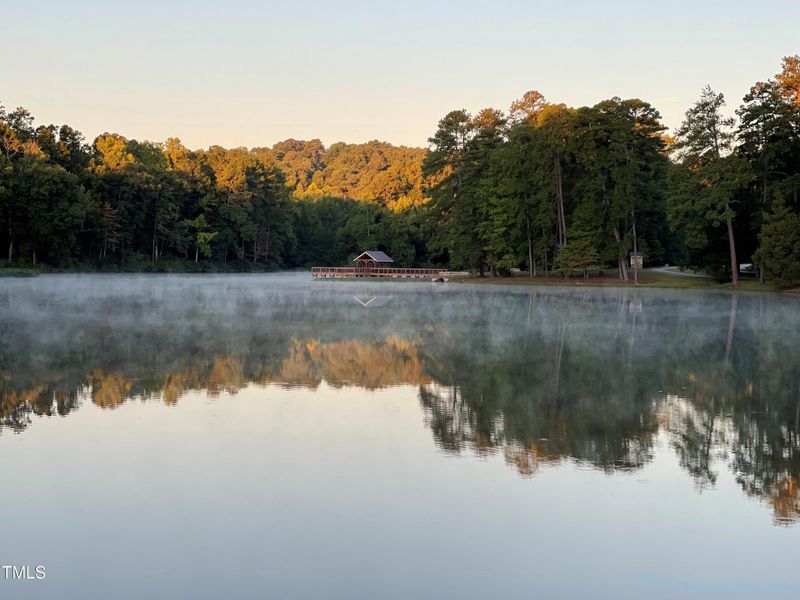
541 376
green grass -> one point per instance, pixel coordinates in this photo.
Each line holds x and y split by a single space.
18 272
664 280
647 279
141 264
376 279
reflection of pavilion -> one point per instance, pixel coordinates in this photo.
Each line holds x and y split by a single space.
372 301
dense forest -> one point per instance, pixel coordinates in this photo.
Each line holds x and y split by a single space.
543 187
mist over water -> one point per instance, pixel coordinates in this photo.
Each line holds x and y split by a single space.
270 436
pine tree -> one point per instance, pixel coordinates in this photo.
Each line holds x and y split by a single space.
779 245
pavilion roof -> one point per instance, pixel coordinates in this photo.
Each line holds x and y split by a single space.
376 255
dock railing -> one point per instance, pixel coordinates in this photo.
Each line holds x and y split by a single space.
397 272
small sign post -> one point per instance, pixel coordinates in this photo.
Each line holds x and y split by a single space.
637 262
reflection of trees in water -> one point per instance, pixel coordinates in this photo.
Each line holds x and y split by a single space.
548 438
722 384
699 437
17 406
767 460
537 376
371 365
569 394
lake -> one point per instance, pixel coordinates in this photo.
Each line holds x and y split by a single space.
266 436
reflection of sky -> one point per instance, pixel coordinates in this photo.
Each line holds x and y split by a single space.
400 477
283 493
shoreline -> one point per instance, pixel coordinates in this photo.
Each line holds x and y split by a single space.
649 279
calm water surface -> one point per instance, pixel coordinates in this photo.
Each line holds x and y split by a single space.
272 437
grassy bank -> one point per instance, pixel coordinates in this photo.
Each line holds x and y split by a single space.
138 264
18 272
647 279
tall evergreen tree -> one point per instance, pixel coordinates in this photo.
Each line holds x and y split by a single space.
704 142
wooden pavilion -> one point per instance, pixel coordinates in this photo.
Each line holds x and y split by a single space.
373 263
370 260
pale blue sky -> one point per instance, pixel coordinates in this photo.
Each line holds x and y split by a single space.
238 72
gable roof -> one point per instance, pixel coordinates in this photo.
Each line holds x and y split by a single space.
372 302
376 255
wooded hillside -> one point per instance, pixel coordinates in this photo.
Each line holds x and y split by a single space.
543 187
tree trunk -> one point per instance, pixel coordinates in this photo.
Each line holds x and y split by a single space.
734 260
196 253
636 252
531 265
621 266
10 247
562 221
546 273
622 269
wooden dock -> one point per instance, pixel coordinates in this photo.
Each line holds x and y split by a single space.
371 271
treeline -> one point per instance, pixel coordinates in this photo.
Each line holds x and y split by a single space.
125 204
544 187
371 172
551 187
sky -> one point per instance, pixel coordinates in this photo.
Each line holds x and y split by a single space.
246 73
